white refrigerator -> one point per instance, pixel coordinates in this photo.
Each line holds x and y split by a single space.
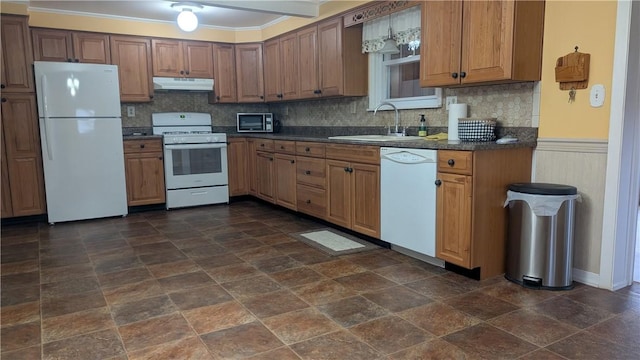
81 136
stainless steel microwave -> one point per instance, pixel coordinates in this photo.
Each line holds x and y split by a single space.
255 122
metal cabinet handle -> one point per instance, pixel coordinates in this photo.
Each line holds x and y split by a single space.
270 159
451 162
181 72
2 86
261 145
307 172
187 72
282 147
141 146
463 74
159 157
308 201
4 99
307 149
438 182
454 75
293 161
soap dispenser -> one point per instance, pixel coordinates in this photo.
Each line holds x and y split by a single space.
422 130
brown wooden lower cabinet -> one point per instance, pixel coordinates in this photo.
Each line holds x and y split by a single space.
471 222
237 164
285 180
144 169
264 175
23 191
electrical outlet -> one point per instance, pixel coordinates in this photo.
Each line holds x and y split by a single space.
131 111
450 100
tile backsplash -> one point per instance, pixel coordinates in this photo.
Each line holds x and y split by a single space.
511 104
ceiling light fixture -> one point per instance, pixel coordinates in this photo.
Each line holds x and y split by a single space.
390 47
187 20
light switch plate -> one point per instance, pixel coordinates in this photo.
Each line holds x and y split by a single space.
131 111
450 100
596 97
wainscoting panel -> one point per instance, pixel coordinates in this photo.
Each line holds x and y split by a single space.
580 163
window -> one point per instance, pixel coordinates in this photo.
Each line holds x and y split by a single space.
396 78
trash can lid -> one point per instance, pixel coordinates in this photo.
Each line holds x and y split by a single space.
543 189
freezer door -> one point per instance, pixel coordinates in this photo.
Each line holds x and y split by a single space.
83 168
77 90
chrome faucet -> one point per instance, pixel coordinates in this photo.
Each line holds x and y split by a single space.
397 132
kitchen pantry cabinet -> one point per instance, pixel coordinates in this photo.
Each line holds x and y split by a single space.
473 42
471 222
224 73
249 73
132 54
353 187
237 152
70 46
281 68
285 173
15 54
144 169
22 162
330 60
311 179
173 58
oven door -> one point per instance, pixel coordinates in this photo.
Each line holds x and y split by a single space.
195 165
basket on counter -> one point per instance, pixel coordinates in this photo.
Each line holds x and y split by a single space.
471 129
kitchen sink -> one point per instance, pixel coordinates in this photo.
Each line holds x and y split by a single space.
375 138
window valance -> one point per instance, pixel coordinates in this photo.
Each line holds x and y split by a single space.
405 26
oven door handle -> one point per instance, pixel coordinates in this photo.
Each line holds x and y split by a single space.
195 146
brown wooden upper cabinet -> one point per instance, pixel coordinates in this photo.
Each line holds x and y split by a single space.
281 68
173 58
70 46
469 42
224 73
132 54
330 60
249 72
15 54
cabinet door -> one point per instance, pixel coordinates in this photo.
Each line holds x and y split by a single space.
23 154
308 83
52 45
167 58
285 182
272 76
133 56
91 48
224 70
453 219
289 72
339 193
145 179
330 57
249 70
264 175
487 41
15 54
237 165
365 201
442 38
251 167
6 210
198 59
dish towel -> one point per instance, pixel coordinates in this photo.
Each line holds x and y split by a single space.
440 136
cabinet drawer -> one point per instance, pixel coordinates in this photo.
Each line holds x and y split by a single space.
311 171
456 162
357 153
311 201
310 149
283 146
140 146
264 145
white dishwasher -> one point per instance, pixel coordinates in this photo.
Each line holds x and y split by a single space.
408 198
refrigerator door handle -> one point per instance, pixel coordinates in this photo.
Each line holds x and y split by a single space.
46 120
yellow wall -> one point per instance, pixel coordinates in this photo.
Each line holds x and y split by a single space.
591 26
168 30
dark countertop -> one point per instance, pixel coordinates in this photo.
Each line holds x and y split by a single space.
141 137
417 144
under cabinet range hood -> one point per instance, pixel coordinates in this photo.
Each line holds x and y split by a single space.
171 83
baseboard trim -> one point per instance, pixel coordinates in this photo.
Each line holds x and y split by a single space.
573 145
585 277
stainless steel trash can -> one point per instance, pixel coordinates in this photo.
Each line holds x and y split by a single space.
540 238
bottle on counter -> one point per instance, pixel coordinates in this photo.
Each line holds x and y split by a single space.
422 130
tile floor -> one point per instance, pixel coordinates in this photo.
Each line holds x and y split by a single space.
227 282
